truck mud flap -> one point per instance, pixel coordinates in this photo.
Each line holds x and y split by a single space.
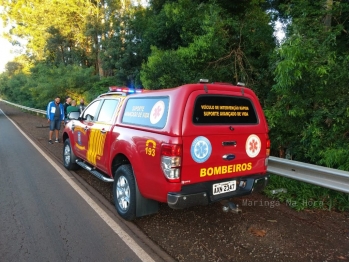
145 206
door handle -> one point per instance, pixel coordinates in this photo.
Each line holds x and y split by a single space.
103 131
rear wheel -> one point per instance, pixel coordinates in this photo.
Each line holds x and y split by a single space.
124 192
69 159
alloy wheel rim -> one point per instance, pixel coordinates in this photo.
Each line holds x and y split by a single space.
123 193
67 154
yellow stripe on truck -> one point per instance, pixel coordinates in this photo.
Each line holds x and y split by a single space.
95 146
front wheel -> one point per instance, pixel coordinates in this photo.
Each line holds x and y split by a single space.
69 159
124 192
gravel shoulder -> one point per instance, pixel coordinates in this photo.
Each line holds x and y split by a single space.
266 230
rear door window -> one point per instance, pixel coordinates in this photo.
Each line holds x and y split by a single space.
146 111
211 109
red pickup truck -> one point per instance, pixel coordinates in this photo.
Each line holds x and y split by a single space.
191 145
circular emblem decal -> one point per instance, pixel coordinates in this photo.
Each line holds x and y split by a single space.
157 112
200 149
253 146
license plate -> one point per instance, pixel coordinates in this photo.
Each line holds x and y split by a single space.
224 187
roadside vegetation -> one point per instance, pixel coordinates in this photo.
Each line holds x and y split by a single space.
80 48
303 196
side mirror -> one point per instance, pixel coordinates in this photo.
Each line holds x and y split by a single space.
89 118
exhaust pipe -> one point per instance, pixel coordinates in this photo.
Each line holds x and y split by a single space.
230 206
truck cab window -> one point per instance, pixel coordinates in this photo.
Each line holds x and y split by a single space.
107 110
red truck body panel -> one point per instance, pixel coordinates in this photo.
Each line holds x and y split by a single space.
188 116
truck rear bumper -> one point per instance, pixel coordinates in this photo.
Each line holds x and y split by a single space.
201 194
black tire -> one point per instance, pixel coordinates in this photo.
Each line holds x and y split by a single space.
124 192
69 159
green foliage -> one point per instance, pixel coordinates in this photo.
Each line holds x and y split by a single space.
308 106
34 19
45 83
212 39
308 113
301 196
161 66
99 87
335 157
216 45
14 89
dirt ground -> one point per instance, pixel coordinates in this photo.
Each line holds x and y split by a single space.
265 230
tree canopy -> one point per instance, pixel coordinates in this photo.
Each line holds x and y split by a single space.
308 108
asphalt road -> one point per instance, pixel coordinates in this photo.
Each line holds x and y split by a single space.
46 215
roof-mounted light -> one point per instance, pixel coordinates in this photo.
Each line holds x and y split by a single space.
124 89
202 80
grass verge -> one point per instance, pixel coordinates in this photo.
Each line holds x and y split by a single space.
300 195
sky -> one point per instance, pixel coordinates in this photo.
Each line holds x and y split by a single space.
279 32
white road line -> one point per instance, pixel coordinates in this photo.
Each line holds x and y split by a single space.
142 255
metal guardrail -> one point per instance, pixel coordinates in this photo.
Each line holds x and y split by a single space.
39 111
313 174
317 175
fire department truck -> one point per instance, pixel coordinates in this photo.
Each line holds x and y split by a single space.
191 145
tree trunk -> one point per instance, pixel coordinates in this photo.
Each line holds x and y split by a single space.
328 17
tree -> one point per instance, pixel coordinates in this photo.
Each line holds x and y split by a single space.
32 21
216 40
309 112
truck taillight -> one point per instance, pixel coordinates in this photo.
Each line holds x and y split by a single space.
171 160
268 152
268 147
